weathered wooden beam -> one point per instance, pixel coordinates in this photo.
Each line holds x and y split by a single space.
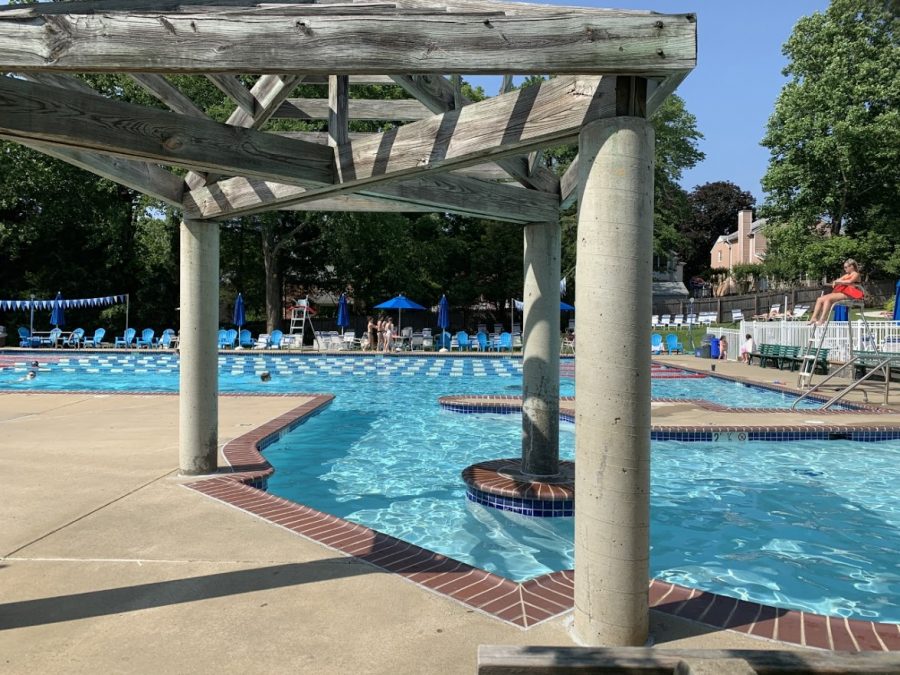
270 91
363 204
231 86
550 113
338 110
656 92
646 45
445 192
508 659
160 88
35 112
404 109
355 80
148 179
439 95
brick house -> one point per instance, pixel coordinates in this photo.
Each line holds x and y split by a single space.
745 246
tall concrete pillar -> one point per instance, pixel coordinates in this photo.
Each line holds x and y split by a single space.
198 403
612 375
540 367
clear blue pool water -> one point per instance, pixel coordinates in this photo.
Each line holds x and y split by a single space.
809 525
152 371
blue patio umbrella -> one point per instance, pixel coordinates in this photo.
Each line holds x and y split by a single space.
58 315
239 311
343 317
897 303
443 317
399 303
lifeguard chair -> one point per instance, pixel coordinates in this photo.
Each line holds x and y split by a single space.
301 317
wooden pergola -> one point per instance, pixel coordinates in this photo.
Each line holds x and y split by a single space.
610 70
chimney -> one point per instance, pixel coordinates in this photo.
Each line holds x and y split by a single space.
745 221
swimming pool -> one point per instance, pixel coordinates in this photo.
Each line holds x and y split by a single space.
239 373
385 455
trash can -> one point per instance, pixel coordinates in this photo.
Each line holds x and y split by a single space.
2 336
703 352
714 348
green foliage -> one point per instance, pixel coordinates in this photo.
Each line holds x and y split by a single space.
677 137
745 271
834 136
795 250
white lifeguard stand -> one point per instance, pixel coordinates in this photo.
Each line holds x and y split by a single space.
301 317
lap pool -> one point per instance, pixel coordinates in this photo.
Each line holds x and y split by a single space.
806 524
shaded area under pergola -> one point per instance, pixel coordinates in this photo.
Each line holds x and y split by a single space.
610 70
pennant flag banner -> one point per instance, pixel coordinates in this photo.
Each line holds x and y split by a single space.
25 305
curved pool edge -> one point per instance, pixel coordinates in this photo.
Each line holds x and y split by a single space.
524 604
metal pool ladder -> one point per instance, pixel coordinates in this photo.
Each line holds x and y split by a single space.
874 360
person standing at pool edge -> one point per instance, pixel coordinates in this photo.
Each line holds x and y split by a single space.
372 329
747 349
843 288
723 348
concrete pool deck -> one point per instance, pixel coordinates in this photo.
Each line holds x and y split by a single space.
108 564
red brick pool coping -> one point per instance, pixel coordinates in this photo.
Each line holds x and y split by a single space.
522 604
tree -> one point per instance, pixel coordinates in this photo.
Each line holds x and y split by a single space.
834 136
713 212
676 150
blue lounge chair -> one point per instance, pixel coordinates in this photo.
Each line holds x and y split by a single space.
97 340
146 339
52 340
26 339
246 339
227 341
673 345
275 339
127 340
165 340
482 339
75 339
504 342
445 340
462 341
656 343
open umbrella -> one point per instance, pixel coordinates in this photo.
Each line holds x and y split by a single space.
399 303
343 317
566 307
58 315
239 311
443 317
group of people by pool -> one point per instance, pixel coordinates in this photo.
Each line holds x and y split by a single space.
381 334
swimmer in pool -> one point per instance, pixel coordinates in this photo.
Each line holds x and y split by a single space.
265 376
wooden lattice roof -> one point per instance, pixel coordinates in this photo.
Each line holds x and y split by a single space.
445 154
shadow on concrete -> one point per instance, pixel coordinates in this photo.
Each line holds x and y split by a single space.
162 593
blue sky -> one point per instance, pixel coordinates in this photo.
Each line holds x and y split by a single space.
732 90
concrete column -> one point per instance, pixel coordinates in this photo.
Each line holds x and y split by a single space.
198 402
540 366
612 374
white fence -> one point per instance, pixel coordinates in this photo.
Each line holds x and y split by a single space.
881 335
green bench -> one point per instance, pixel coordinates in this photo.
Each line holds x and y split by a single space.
789 356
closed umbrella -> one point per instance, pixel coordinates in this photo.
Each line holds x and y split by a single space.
58 315
239 311
443 317
399 303
343 317
897 303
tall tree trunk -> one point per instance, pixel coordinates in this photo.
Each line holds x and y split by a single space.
274 303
